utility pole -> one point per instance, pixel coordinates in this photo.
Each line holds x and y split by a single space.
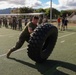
50 10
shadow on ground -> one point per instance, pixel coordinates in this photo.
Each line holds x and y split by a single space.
50 67
71 30
68 30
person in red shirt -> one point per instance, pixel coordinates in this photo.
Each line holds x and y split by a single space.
58 20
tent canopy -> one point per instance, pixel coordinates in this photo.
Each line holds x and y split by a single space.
22 14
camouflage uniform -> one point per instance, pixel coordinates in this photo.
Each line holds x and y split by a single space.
24 36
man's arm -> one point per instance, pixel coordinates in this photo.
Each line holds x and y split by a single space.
18 44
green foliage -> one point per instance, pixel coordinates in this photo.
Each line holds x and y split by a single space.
39 10
55 12
65 12
47 12
26 10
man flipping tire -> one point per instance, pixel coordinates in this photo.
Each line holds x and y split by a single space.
25 35
41 42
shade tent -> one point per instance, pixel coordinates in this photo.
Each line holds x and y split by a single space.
22 14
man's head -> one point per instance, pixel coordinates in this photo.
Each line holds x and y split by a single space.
35 19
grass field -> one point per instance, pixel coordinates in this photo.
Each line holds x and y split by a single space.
62 61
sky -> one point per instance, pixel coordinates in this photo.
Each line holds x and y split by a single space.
57 4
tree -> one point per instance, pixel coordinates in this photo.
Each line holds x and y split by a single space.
55 13
40 10
26 10
65 12
47 12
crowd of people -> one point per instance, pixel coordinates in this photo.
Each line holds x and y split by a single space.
12 22
16 23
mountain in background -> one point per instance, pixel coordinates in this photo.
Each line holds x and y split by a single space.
5 11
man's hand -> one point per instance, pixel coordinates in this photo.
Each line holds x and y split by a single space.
30 30
10 51
31 34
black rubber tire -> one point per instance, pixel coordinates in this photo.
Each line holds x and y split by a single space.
42 42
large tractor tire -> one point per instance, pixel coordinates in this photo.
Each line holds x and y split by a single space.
42 42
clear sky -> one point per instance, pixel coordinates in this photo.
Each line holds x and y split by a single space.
55 1
58 4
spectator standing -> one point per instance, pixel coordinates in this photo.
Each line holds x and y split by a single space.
58 21
14 23
65 23
62 26
20 23
0 22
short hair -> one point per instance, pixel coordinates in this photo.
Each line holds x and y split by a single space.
36 17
